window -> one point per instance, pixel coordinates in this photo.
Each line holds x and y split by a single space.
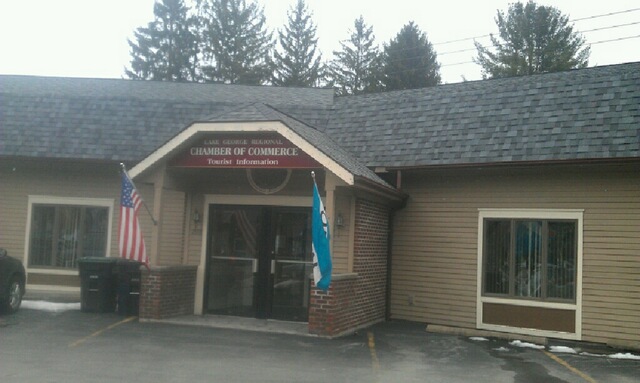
530 259
60 234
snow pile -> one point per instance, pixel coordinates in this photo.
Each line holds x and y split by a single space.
626 355
562 349
518 343
620 355
569 350
50 306
478 339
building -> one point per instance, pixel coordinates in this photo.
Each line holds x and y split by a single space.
510 205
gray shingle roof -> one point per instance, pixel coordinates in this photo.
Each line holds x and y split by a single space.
161 90
329 147
581 114
119 120
90 128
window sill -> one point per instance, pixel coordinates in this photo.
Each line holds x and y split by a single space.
530 303
53 271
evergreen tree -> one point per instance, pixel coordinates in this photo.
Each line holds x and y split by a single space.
532 39
410 61
297 64
235 42
166 49
357 67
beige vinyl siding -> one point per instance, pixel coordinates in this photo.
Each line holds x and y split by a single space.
194 232
434 262
194 247
172 228
341 236
144 218
13 209
435 240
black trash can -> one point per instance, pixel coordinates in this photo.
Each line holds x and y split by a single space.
97 284
128 287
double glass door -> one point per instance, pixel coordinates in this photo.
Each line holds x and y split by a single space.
259 262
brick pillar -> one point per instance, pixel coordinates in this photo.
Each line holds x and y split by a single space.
331 312
167 291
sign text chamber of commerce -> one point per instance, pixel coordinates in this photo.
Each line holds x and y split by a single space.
258 151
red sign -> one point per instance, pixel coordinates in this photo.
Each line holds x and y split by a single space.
256 151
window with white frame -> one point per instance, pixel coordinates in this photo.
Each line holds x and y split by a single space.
534 259
61 233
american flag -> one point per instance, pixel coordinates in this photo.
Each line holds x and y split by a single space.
131 242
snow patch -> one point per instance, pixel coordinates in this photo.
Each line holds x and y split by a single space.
518 343
562 349
584 353
478 338
503 349
625 355
50 306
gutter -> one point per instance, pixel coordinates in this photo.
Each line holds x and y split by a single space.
398 198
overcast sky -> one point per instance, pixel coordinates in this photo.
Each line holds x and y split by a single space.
88 38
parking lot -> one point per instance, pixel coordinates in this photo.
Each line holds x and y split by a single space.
72 346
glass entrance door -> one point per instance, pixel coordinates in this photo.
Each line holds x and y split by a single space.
259 262
292 264
233 260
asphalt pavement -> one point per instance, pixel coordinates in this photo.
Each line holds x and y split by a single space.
72 346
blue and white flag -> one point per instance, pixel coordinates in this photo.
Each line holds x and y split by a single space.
320 242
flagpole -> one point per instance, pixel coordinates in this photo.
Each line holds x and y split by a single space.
124 170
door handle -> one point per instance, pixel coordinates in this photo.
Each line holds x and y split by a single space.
273 266
255 266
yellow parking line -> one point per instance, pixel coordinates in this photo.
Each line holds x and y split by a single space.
570 367
82 340
375 363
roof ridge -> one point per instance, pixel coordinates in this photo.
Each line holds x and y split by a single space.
493 81
159 90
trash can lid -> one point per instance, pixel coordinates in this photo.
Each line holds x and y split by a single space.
97 260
